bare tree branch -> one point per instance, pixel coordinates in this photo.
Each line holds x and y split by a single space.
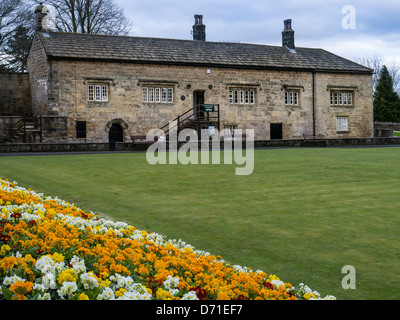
90 16
377 62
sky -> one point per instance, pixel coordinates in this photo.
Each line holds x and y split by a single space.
350 28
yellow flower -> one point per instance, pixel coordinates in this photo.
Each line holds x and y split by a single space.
83 296
57 257
163 294
120 292
68 275
105 283
309 296
4 249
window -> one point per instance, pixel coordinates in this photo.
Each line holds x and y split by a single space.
170 98
158 95
81 129
342 124
151 95
145 94
341 98
104 91
90 93
241 96
98 93
292 98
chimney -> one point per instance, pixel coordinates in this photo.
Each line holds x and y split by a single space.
40 13
199 29
288 35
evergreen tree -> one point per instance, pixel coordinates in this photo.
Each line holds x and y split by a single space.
386 100
18 48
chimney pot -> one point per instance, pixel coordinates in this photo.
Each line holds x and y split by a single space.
199 29
288 34
40 13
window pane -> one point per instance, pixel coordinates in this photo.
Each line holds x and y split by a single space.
252 97
230 96
90 93
241 97
145 95
164 95
247 97
236 96
105 93
158 95
296 98
170 95
97 93
350 98
151 94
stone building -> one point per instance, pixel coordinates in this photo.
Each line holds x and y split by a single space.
120 86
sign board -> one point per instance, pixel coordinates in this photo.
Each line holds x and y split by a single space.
208 107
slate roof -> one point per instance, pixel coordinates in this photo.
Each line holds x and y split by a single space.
188 52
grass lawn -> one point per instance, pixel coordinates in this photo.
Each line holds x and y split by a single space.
303 214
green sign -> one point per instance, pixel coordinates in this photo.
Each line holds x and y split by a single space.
208 107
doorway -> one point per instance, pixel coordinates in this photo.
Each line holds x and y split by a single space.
198 99
116 133
276 131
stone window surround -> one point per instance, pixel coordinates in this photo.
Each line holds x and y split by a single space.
296 90
339 96
163 91
342 124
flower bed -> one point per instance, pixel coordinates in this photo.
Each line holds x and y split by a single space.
52 250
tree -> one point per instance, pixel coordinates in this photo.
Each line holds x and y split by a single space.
376 63
18 47
89 16
386 100
13 13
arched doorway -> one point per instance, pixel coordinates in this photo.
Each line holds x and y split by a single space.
116 129
116 133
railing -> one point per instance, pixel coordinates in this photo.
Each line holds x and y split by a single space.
194 116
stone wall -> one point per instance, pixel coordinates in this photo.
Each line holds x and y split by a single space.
260 144
54 128
15 95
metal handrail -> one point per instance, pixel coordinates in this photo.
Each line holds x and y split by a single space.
196 116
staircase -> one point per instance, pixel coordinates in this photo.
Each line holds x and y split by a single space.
25 130
200 117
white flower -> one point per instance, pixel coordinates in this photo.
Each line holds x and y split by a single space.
89 280
191 295
78 265
278 283
9 281
45 265
49 281
46 296
67 290
171 283
106 294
